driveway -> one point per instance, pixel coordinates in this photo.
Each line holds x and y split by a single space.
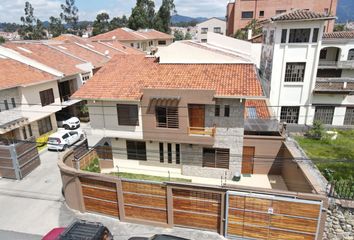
33 206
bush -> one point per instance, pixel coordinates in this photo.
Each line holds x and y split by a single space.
317 130
43 139
94 166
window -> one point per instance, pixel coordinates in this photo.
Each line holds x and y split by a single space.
204 30
30 130
289 114
169 153
284 33
324 114
138 45
351 54
279 12
66 136
247 14
251 112
136 150
349 116
295 72
47 97
163 42
326 11
128 114
203 40
6 104
271 37
301 35
13 102
315 35
227 111
24 133
178 154
166 117
132 44
216 157
217 29
323 54
161 152
261 13
217 110
44 125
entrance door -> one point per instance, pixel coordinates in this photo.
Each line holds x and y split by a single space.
196 116
248 160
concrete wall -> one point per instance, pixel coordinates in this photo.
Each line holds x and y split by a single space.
7 94
210 24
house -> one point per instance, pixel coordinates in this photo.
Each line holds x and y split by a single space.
153 112
144 39
214 24
240 13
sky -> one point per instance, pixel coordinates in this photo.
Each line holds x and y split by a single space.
12 10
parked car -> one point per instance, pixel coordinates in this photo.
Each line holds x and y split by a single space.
67 121
63 139
80 230
159 237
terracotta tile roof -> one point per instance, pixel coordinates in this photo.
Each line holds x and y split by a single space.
125 76
261 108
47 56
124 34
70 38
121 47
300 14
343 34
14 74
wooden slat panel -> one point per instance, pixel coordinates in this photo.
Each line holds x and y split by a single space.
98 184
298 224
296 209
236 216
6 163
260 219
146 214
235 229
255 232
196 205
150 201
5 153
144 188
257 204
197 195
103 207
197 220
28 168
99 193
237 202
8 173
283 235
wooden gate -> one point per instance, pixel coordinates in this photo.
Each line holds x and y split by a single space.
197 209
100 196
248 160
258 216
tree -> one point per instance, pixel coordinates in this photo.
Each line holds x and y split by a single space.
163 16
339 28
188 36
240 34
31 28
178 35
118 22
56 27
142 15
101 24
70 15
2 40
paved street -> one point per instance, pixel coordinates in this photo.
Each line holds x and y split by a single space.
32 207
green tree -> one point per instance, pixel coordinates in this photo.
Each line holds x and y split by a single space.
70 15
240 34
142 15
163 16
188 36
339 28
178 35
2 40
101 24
56 27
118 22
31 28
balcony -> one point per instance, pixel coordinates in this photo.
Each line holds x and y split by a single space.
336 64
334 85
202 131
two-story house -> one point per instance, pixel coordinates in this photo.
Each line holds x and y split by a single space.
214 24
186 116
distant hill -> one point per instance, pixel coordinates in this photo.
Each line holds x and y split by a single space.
182 19
345 11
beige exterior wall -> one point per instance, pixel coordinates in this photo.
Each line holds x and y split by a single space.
210 24
145 46
271 6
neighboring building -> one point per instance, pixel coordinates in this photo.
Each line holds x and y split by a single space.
240 13
10 36
158 111
144 40
214 24
193 31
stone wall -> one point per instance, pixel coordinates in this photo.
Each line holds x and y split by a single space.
339 223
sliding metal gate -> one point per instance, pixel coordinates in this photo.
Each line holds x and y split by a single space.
260 216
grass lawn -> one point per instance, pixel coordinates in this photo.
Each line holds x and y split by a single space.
323 150
148 177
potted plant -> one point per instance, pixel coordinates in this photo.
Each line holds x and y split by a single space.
84 117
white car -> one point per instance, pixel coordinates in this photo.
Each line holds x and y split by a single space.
61 140
68 122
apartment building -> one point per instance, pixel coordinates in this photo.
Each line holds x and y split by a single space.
145 39
240 12
214 24
186 116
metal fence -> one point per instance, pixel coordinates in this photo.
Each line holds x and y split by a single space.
342 189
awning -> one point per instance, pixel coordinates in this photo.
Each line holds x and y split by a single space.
162 101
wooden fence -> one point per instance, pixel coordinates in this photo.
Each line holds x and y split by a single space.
18 160
266 214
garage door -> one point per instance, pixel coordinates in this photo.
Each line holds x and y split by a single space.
258 216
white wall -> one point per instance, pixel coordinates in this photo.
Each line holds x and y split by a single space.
210 24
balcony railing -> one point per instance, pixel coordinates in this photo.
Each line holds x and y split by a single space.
202 131
334 85
336 64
